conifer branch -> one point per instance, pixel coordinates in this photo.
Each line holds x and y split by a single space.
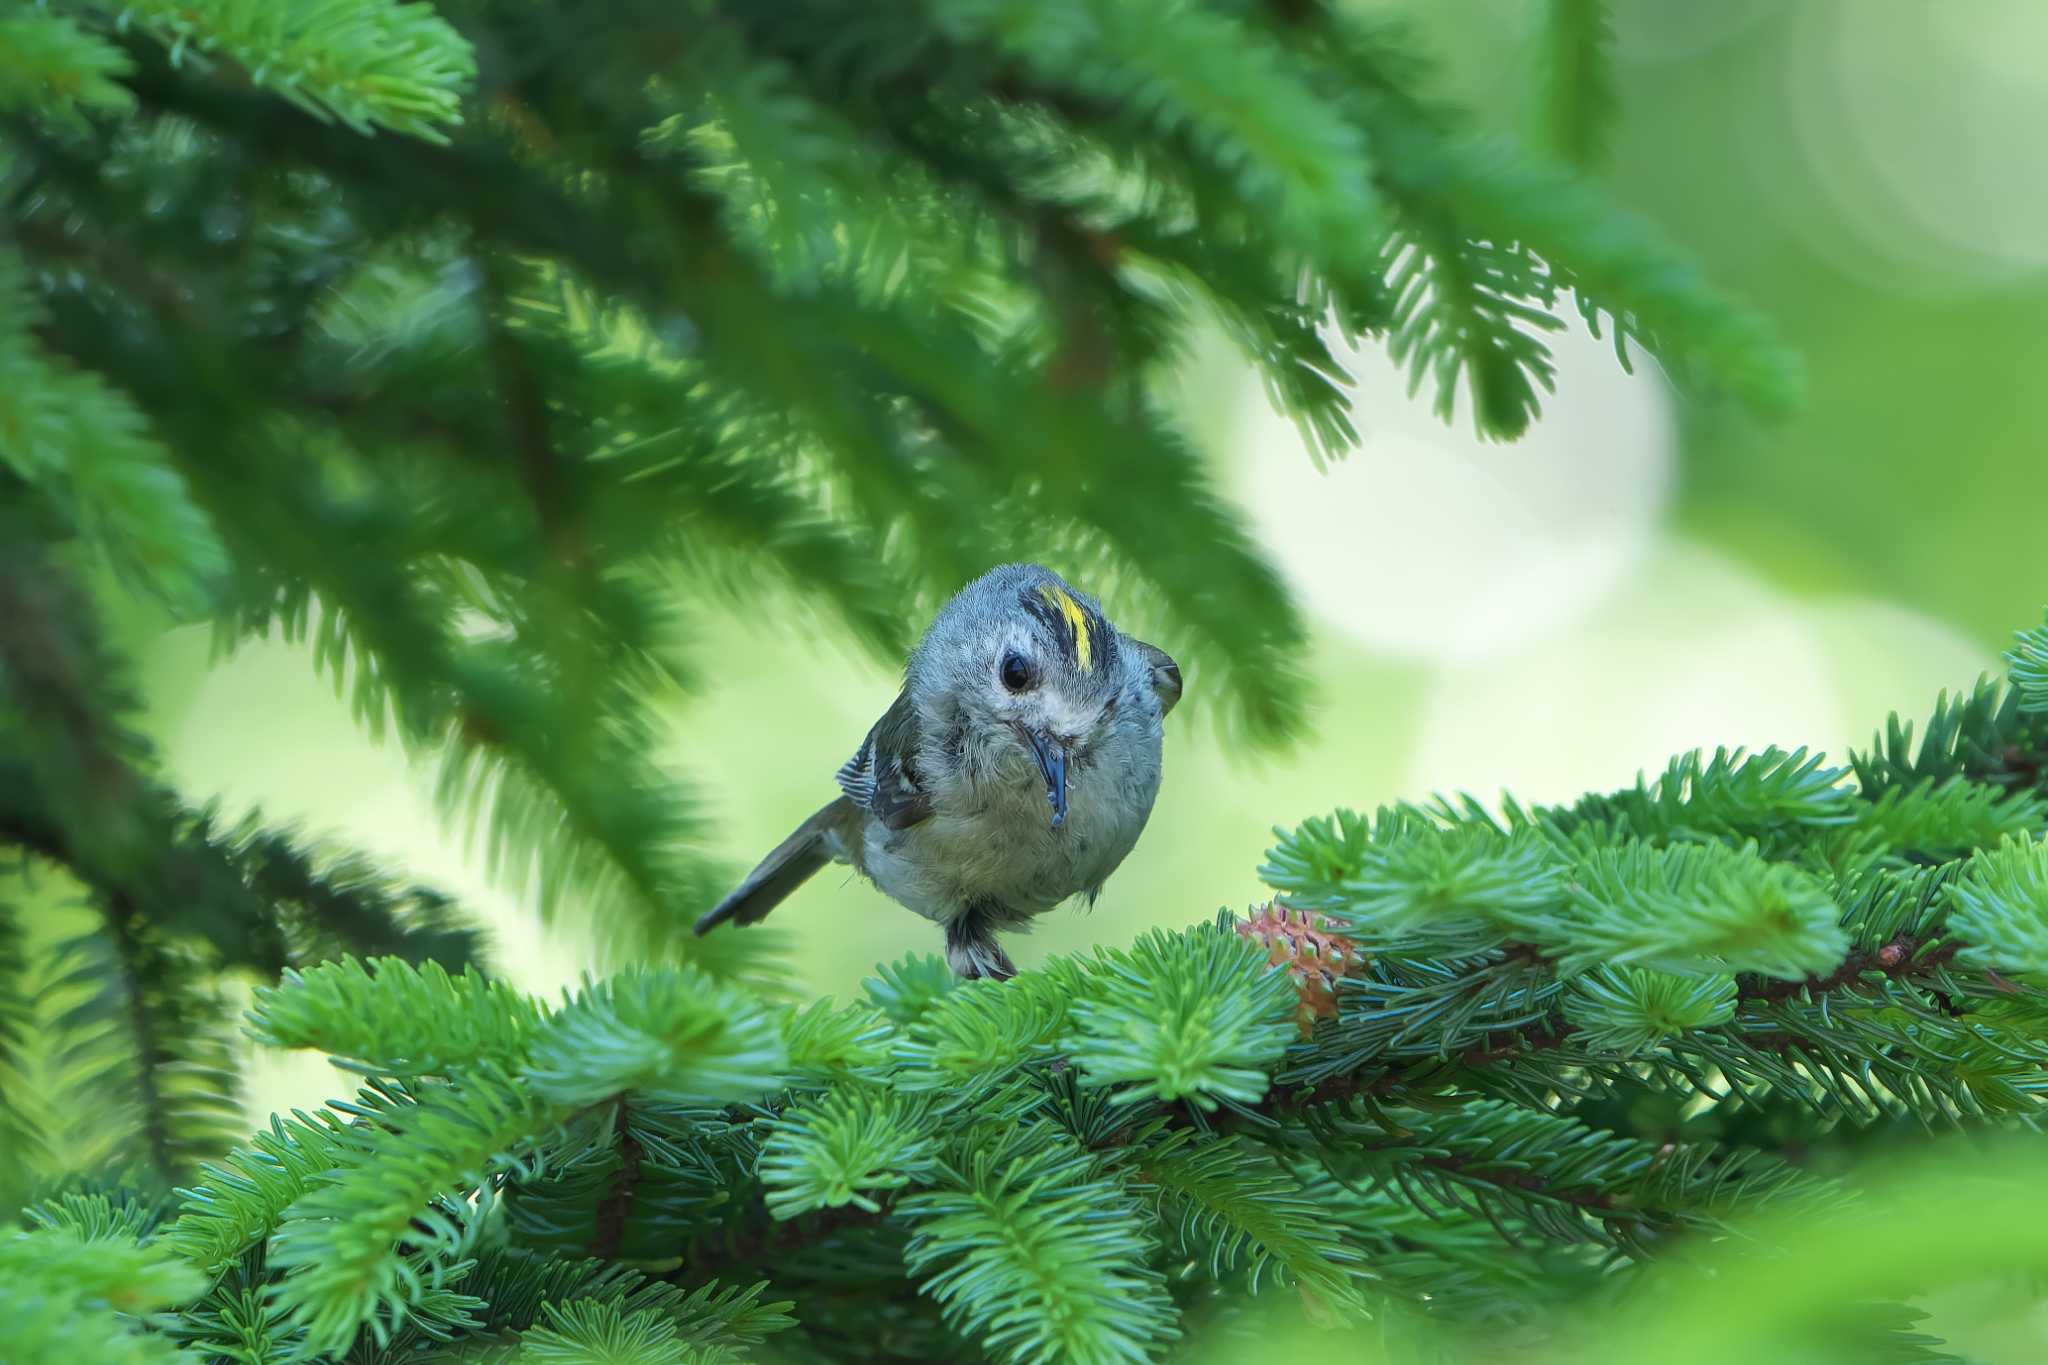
617 1205
622 317
153 1106
1573 94
54 67
390 63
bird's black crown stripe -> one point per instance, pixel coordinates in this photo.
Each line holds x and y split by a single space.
1084 637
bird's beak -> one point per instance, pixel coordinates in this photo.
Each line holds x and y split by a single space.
1051 756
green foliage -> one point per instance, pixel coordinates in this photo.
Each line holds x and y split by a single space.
68 1297
238 1203
667 1034
2028 659
53 65
390 63
1574 101
2000 907
1450 888
64 431
1035 1255
978 1033
1770 797
478 348
1194 1017
1625 1010
1696 908
1935 822
830 1152
827 1044
481 349
1986 735
905 989
590 1333
1561 1044
373 1242
1237 1208
397 1019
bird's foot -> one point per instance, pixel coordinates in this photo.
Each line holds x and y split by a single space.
972 950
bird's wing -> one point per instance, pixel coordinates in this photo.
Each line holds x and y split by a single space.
881 777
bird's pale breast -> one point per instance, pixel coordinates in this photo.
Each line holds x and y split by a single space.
993 845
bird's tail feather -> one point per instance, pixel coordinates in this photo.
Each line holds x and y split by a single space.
788 865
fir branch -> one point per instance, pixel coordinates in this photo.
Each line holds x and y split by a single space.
1218 84
238 1321
978 1034
674 467
395 1019
1625 1010
261 896
586 1332
341 902
1574 100
1573 1183
693 1181
121 1216
362 1247
91 451
1198 1016
237 1203
1984 735
1418 1027
811 194
387 63
827 1045
58 681
1698 909
904 989
1937 822
16 1017
69 1298
1613 263
153 1104
1231 1205
1462 317
1999 908
53 67
2027 660
838 1149
1024 1248
672 1035
135 1030
617 1205
1445 889
1771 796
516 1288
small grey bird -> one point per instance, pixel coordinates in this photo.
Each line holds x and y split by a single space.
1015 770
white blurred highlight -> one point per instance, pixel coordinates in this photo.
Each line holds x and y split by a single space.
1924 131
1430 544
1571 640
1692 653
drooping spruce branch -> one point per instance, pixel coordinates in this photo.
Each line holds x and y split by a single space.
864 298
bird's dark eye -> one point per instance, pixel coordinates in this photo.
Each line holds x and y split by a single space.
1017 672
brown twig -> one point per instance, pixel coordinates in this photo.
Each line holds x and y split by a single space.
617 1205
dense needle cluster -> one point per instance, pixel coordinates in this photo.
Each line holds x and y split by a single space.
1546 1045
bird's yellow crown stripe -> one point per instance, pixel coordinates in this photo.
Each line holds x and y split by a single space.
1077 621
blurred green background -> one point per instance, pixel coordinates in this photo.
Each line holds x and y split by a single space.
1636 578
